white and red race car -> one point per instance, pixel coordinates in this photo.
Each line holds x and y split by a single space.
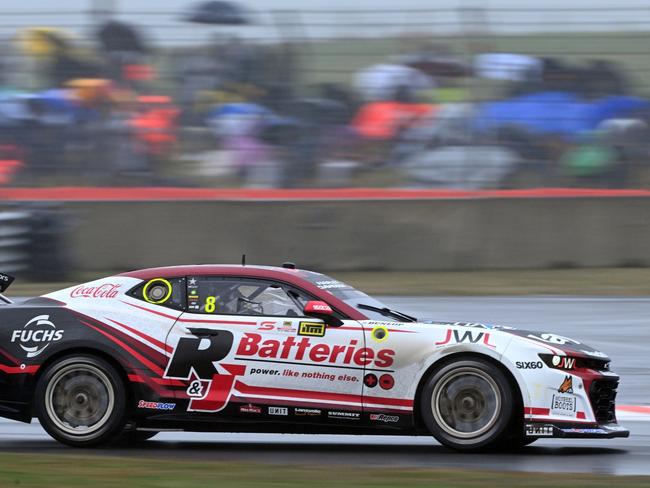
278 349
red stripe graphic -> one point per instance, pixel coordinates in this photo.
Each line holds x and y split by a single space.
223 322
146 337
191 321
17 369
171 317
536 411
343 397
153 367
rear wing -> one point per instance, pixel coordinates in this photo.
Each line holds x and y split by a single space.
5 282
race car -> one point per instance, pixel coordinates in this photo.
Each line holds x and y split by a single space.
277 349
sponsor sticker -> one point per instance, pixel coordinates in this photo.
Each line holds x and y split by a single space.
380 417
156 405
312 329
563 362
563 405
36 335
344 415
278 411
567 385
250 408
310 412
584 431
529 364
105 290
534 430
287 326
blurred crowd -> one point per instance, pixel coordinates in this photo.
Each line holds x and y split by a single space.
115 110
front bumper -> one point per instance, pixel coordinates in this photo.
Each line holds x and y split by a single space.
577 431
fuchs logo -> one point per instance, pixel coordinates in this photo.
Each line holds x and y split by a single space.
380 417
107 290
36 335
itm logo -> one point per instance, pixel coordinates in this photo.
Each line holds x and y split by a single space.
36 335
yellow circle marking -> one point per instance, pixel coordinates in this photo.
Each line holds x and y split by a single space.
156 280
379 333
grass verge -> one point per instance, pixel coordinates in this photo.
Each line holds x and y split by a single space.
53 471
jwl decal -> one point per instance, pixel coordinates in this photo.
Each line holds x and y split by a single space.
36 335
211 383
467 336
563 362
312 329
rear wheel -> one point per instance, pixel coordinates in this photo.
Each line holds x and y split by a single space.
468 405
80 401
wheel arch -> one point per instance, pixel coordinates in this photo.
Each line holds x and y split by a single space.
120 367
456 356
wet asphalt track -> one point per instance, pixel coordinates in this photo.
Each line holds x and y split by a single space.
619 326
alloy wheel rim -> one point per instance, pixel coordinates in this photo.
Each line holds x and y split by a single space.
79 399
466 402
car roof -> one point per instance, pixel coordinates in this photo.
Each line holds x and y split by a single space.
275 273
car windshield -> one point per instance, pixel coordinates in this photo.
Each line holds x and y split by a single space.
368 306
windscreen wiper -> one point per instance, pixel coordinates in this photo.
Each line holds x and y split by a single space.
388 312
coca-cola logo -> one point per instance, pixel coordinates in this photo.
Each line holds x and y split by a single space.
106 290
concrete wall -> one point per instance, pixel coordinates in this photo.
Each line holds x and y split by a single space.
365 235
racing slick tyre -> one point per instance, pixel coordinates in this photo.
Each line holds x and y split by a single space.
80 401
467 405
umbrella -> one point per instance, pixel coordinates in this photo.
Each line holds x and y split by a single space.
237 119
119 36
218 13
43 41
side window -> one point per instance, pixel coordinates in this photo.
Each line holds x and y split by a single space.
214 295
166 292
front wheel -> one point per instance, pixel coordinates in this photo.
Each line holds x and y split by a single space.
468 405
80 401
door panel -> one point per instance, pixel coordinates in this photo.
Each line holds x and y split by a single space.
245 365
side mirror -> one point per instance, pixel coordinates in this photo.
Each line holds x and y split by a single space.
321 310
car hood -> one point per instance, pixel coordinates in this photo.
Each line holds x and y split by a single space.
566 344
